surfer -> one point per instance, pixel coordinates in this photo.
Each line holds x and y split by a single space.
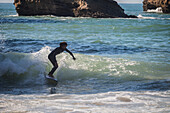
55 52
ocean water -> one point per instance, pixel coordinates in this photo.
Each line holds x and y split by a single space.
122 66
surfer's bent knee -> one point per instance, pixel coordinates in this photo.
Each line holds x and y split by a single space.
56 65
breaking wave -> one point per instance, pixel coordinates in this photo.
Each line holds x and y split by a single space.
148 17
31 68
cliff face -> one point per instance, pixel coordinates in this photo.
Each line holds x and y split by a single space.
153 4
73 8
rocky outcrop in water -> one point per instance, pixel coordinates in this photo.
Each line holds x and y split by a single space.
73 8
154 4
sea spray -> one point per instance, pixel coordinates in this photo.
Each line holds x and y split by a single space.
27 66
33 66
119 69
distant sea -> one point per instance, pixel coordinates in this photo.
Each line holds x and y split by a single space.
123 65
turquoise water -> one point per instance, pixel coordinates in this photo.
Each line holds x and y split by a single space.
123 65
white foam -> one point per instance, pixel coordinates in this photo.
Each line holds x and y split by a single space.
108 102
157 10
142 17
14 15
23 63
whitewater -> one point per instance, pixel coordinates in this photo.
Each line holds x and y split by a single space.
122 65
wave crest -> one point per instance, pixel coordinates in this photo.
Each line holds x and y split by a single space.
33 66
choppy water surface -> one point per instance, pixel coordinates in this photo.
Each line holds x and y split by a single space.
122 65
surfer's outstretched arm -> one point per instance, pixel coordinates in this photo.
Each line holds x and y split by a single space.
71 54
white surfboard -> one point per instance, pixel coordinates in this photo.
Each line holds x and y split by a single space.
51 78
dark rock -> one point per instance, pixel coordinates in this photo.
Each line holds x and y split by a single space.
132 16
73 8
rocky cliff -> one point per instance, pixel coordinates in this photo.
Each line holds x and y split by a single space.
73 8
153 4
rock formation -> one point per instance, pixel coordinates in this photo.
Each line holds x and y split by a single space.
153 4
73 8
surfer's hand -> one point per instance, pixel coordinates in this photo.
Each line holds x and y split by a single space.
74 58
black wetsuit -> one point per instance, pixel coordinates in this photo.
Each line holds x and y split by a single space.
53 60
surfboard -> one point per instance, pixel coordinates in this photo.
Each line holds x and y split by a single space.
51 78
